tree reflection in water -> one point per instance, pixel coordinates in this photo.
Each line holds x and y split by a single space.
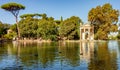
60 55
103 59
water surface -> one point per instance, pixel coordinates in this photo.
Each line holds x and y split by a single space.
103 55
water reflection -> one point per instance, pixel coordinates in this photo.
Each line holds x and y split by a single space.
86 50
69 53
60 56
103 58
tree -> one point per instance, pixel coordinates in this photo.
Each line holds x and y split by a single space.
33 26
47 28
61 19
69 28
28 27
31 15
104 18
14 28
1 29
14 8
44 16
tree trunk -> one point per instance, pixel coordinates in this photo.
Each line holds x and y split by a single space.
17 27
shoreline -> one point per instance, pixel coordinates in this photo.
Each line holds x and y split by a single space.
42 41
34 41
48 41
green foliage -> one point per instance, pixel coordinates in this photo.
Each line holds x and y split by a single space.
12 6
3 28
118 36
47 29
10 36
14 28
113 37
30 15
104 19
28 27
69 28
61 19
44 16
101 35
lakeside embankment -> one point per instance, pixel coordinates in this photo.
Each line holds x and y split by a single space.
4 40
40 41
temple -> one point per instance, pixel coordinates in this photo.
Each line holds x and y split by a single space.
86 32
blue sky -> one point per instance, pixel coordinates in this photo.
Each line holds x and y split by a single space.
56 8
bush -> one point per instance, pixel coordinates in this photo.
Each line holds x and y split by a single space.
10 36
118 36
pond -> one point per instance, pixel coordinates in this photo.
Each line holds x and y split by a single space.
102 55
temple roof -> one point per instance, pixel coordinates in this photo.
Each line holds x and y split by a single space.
87 24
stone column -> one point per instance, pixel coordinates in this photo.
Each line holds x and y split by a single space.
84 34
80 33
93 31
89 33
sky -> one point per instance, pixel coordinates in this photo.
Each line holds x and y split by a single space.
56 8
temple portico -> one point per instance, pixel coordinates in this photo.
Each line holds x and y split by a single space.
86 32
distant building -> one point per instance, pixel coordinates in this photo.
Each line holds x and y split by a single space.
86 32
112 34
9 31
